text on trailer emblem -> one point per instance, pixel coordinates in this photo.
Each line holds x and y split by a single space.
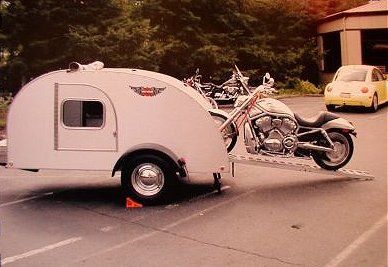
147 91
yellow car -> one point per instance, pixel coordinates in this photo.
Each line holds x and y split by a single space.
357 85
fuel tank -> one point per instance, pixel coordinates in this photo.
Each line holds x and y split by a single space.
273 106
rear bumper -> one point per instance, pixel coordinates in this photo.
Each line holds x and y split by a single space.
354 100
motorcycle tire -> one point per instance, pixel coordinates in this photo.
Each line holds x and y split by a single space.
343 151
229 133
212 102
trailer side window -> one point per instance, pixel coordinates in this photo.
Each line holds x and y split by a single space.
83 113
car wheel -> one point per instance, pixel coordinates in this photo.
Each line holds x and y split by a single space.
330 107
375 104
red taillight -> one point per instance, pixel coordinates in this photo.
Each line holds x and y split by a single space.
364 90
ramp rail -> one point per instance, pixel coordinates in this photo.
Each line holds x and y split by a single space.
268 162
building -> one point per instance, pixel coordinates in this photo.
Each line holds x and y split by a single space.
355 36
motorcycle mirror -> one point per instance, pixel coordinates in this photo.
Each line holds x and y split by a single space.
271 82
197 71
266 78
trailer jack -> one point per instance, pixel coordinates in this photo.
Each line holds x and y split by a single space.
217 182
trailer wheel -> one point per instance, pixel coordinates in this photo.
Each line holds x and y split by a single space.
147 179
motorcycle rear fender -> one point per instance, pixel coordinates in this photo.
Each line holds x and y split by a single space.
339 123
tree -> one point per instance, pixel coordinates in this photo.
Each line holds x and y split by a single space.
124 42
170 36
36 33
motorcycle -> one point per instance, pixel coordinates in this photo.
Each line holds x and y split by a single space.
195 82
272 129
227 91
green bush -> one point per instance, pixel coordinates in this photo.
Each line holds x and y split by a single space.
299 87
306 87
5 101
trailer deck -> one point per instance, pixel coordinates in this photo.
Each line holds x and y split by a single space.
269 162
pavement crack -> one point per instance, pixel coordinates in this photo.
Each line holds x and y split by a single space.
247 252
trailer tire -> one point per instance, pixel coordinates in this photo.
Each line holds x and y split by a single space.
147 178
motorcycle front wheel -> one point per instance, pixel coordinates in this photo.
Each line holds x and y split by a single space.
343 151
212 102
229 134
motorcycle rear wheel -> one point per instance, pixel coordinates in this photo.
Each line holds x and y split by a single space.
229 134
343 151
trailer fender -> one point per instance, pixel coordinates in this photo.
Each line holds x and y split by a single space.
154 149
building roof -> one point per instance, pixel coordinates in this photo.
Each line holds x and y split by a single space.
372 8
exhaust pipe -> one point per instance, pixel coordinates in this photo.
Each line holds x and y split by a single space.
314 147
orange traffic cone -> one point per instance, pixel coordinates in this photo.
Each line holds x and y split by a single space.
132 204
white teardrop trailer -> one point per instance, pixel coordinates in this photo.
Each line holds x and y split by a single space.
147 125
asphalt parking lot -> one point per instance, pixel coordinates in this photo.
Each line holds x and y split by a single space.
264 217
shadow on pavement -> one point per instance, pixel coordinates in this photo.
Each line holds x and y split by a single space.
359 110
112 195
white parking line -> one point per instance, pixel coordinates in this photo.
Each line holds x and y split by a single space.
40 250
25 199
356 243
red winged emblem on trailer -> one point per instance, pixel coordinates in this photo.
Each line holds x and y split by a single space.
147 91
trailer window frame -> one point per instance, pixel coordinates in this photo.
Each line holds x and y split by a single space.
83 127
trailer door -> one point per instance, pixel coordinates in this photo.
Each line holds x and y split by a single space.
85 119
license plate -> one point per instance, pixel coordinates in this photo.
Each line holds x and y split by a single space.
345 95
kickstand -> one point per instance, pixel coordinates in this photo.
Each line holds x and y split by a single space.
217 182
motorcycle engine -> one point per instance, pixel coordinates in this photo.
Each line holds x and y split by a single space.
276 134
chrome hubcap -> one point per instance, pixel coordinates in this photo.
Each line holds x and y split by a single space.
340 150
375 102
147 179
338 153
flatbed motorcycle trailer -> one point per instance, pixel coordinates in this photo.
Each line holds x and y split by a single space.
285 164
92 115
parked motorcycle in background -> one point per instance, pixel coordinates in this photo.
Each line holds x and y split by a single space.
227 92
195 82
272 129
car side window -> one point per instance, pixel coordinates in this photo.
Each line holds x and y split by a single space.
375 78
379 75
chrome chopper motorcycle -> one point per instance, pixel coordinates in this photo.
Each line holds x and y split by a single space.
227 91
195 82
272 129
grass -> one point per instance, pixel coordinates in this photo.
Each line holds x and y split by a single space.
292 93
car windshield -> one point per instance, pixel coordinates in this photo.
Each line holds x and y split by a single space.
350 75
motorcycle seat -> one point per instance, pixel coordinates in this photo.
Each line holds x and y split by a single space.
316 121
